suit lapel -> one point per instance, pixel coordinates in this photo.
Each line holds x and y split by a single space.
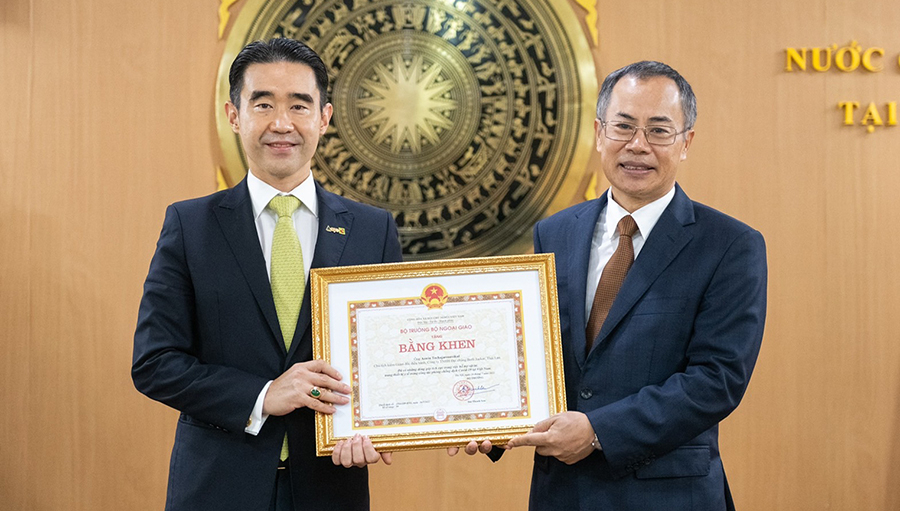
235 216
666 240
330 242
581 234
333 220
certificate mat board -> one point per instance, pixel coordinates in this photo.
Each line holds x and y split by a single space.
439 353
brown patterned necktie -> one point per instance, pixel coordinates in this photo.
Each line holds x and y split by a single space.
611 280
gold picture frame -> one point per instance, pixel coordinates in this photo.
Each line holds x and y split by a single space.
439 353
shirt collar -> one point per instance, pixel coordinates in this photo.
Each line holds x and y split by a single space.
645 217
261 193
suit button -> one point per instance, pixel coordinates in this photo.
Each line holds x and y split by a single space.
587 393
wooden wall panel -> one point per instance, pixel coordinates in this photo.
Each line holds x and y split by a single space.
108 118
15 280
109 121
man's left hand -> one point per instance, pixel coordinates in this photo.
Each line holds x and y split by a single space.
472 448
358 452
566 436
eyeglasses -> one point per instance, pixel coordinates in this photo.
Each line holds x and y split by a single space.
624 131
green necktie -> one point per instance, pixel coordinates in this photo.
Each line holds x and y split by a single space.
288 279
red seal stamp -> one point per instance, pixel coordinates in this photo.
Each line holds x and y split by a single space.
463 390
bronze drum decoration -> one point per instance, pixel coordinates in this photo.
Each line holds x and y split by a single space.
468 120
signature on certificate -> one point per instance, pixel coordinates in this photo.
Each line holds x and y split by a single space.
481 389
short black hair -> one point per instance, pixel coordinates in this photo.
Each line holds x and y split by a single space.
280 49
649 69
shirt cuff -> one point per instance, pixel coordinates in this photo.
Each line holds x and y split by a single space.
257 418
596 443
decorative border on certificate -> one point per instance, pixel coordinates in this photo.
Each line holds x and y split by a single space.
432 346
439 353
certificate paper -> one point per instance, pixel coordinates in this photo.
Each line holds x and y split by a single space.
439 353
435 364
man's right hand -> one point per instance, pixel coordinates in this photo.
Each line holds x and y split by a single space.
291 390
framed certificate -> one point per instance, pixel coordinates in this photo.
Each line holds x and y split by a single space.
439 353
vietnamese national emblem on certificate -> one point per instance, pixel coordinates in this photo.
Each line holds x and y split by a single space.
434 296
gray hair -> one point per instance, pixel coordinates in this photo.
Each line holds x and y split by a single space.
644 70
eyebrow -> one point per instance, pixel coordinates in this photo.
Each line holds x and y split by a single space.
299 96
302 96
260 94
655 118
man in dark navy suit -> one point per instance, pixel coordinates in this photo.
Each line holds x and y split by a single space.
662 307
214 343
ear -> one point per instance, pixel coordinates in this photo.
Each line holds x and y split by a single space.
231 112
688 138
598 136
327 111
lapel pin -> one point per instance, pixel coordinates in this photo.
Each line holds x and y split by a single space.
337 230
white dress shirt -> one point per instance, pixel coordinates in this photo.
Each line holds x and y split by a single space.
606 238
307 225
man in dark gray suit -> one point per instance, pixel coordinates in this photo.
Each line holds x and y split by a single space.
662 307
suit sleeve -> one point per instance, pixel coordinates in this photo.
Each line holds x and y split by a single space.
537 239
167 364
720 356
392 253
